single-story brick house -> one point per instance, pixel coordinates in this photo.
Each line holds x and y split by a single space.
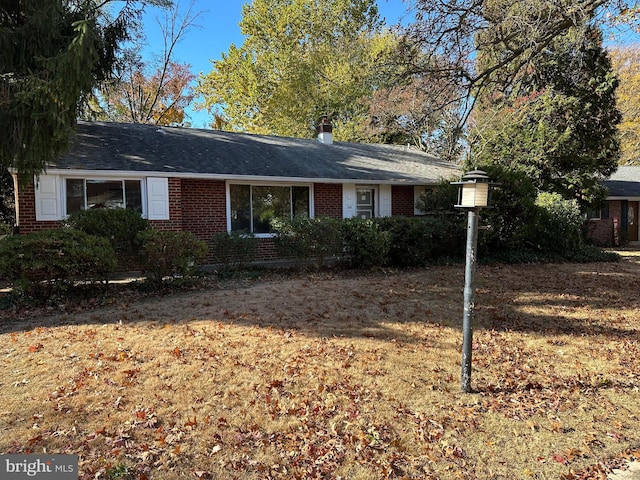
209 181
618 222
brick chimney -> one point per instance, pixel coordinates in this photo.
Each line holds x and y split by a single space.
324 130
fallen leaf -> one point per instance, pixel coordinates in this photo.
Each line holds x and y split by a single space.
560 459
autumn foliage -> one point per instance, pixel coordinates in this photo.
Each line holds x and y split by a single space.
159 98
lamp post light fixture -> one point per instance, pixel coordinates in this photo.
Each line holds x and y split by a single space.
472 196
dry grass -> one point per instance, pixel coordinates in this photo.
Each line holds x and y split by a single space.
353 377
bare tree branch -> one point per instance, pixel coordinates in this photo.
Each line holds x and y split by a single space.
483 44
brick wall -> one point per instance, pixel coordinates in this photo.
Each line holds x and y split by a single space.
204 211
175 208
199 206
327 199
402 201
602 232
27 212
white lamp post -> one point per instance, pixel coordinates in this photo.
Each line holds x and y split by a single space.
473 196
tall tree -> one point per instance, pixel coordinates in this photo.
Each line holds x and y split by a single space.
7 200
454 34
410 111
626 63
153 91
52 53
558 122
158 99
300 59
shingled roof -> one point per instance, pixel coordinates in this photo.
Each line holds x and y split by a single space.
625 182
188 152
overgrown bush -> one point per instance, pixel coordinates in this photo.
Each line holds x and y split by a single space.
309 239
170 254
439 199
120 226
44 262
234 250
418 241
509 220
558 225
365 243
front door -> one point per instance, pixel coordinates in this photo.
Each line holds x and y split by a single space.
632 221
365 203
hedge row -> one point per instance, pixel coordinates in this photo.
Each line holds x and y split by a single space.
89 246
87 249
396 241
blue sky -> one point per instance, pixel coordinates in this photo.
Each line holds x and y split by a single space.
218 28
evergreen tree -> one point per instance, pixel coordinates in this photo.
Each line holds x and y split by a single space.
7 207
52 53
557 123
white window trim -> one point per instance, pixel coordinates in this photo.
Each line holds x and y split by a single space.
51 201
594 218
63 189
265 184
142 180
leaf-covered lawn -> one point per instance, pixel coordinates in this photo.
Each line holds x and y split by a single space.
337 376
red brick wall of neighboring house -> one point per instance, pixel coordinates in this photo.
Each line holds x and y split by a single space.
402 201
606 231
327 199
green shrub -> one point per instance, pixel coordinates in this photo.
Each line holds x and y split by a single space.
438 199
509 220
418 241
120 226
307 239
234 250
365 243
558 224
43 262
170 254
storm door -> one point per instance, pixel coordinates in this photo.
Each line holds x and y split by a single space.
365 204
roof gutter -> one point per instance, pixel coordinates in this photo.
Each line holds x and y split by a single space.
239 178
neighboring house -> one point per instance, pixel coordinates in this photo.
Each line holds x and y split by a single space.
617 223
209 181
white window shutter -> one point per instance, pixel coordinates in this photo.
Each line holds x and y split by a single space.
348 200
385 201
157 198
48 198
